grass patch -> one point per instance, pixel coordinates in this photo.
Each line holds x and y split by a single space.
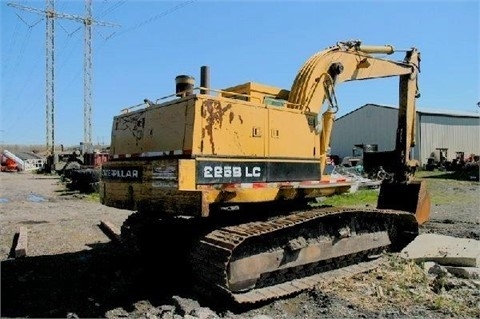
367 197
440 185
402 284
452 306
93 197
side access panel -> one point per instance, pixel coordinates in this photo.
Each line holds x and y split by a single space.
155 130
153 185
232 128
292 134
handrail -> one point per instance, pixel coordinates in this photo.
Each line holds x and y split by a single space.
289 105
127 109
200 88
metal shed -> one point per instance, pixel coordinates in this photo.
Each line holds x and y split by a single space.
455 131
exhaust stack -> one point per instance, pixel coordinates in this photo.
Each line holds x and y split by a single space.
205 79
184 85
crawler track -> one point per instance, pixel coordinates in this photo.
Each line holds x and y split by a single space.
261 261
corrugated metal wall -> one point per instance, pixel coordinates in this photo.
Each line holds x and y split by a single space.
454 133
369 124
376 124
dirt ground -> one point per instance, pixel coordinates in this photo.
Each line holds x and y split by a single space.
73 270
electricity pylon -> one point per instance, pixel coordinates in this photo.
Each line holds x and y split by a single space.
88 21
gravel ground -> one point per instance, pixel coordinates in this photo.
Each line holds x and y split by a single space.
73 270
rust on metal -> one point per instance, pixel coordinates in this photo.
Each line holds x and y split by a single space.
412 197
213 113
268 259
133 123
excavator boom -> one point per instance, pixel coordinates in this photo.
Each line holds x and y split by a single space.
348 61
345 62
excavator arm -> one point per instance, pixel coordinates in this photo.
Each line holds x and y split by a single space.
349 61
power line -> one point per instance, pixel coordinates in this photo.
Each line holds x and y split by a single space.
71 48
88 21
19 110
154 18
19 55
112 8
143 23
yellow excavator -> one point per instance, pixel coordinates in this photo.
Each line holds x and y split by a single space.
225 179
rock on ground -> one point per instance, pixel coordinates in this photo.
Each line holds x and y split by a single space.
445 250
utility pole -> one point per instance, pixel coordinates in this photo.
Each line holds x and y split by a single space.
87 76
50 75
88 21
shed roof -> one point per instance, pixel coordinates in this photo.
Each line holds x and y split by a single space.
423 110
27 155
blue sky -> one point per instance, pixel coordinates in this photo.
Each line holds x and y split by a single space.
261 41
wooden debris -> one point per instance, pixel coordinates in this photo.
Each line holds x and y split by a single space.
379 292
20 249
112 232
